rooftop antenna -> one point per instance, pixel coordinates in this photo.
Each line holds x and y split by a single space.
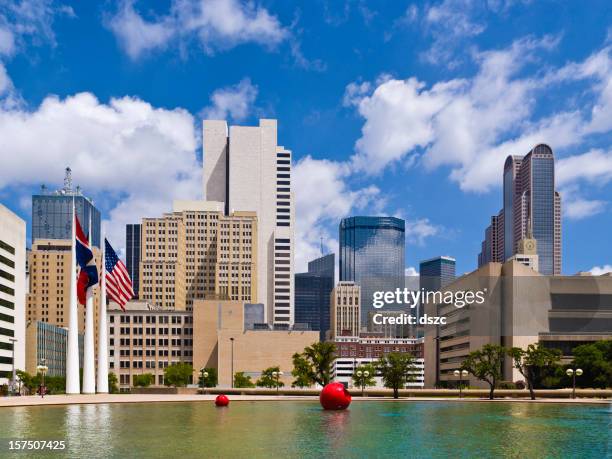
68 180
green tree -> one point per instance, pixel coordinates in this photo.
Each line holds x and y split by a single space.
242 380
314 365
55 384
486 365
144 380
113 383
595 360
367 382
269 380
178 375
210 380
29 382
396 370
531 362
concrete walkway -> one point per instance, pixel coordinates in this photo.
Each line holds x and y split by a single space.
172 398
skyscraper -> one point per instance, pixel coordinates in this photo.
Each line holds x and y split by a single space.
345 306
529 199
372 254
436 273
312 294
132 254
52 213
247 170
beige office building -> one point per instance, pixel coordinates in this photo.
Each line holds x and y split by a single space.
345 310
197 252
522 307
225 338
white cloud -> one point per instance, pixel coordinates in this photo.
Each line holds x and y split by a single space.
579 208
125 152
594 166
215 24
411 271
599 270
417 231
235 102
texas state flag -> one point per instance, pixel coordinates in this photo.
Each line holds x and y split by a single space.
88 277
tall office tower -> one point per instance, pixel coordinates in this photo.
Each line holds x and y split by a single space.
372 254
12 294
436 273
198 252
246 169
132 254
52 213
345 310
49 297
492 248
312 294
529 199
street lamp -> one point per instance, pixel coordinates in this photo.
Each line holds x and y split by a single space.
362 376
42 369
276 375
204 375
460 374
232 340
572 374
14 378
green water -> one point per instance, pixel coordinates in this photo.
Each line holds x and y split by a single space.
302 429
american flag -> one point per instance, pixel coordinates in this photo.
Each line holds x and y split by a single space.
118 282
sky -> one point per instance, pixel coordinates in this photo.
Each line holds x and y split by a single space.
390 108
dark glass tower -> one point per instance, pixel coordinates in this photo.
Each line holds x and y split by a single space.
52 213
132 254
372 254
312 294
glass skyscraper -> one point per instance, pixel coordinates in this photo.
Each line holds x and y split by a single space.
52 213
312 294
372 254
132 254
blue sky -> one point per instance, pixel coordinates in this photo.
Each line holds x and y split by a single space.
397 108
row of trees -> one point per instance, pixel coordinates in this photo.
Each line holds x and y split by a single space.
540 366
55 384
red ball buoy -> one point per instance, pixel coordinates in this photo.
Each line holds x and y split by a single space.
335 397
222 400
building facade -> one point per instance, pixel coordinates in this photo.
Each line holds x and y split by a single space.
198 252
530 199
345 310
146 339
312 294
132 254
47 343
246 169
372 254
12 294
52 213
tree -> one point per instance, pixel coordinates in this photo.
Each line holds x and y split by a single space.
269 380
367 382
28 381
595 360
113 386
486 365
395 369
210 380
314 365
144 380
532 361
242 380
178 375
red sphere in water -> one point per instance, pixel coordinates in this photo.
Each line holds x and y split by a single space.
222 400
335 397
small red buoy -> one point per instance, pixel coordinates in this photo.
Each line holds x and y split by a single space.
222 400
334 396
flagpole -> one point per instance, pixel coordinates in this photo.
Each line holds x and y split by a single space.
102 331
72 351
89 370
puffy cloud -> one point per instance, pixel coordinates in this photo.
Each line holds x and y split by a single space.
131 157
417 231
599 270
594 166
234 102
215 24
411 271
580 208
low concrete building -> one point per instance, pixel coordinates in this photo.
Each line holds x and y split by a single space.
46 343
224 340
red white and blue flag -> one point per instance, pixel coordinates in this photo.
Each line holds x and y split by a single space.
88 276
118 282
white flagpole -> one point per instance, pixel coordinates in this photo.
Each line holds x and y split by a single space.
89 370
102 331
72 350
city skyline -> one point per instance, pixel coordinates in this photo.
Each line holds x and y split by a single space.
342 109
